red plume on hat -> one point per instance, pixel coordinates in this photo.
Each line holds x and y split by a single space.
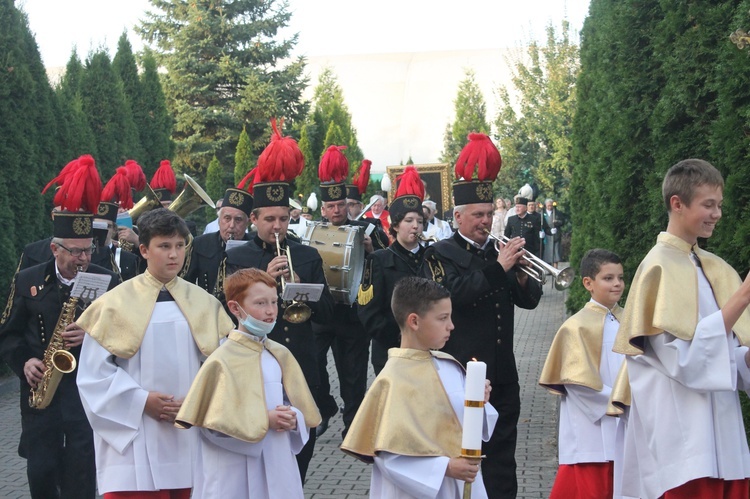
281 160
334 167
117 189
480 154
82 187
362 177
248 180
62 175
164 177
410 183
136 177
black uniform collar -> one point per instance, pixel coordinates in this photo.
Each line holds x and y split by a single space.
463 243
270 247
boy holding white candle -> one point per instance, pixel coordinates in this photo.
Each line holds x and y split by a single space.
582 368
409 424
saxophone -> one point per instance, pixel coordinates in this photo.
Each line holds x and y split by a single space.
57 360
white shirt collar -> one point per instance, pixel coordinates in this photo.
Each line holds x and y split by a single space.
67 282
473 243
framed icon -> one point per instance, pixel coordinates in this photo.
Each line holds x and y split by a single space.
437 183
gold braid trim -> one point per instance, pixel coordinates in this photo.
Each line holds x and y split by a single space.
186 265
12 294
436 267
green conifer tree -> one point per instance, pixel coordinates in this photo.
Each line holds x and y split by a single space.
243 158
470 116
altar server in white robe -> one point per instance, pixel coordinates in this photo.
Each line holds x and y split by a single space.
685 332
251 402
144 345
409 424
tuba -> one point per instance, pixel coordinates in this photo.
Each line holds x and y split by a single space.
57 360
190 199
148 202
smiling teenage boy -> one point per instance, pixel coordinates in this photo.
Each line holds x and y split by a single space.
582 368
143 347
409 424
684 333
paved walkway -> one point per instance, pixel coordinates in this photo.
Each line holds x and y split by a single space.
332 474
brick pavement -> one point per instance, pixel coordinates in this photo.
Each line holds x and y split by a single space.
332 474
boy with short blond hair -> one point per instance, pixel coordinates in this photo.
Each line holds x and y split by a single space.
685 333
251 401
409 424
582 368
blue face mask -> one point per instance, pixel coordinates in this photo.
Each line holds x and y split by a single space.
256 327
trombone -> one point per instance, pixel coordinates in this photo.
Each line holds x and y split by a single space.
538 268
297 312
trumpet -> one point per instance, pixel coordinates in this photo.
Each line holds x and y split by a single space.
538 268
297 312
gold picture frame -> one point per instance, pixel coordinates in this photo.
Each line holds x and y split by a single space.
436 177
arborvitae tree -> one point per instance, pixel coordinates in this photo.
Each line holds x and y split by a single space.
317 132
124 65
78 137
153 120
470 116
210 50
535 141
109 115
730 148
30 144
243 157
614 192
215 179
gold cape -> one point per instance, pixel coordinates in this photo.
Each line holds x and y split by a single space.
406 411
664 295
227 395
619 399
118 320
576 352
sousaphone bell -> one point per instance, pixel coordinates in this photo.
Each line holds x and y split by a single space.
190 199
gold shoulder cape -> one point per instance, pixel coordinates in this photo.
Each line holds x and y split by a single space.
227 395
576 351
664 295
619 399
406 411
118 320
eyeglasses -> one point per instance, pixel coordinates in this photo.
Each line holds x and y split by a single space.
77 252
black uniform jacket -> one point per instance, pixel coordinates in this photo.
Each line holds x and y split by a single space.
202 264
28 323
528 228
383 269
40 252
483 296
308 265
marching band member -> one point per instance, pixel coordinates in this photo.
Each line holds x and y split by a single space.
205 262
485 287
270 216
385 267
357 189
56 442
344 334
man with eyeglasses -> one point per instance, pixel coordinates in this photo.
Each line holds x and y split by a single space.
57 441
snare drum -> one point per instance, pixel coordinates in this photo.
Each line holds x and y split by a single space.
343 252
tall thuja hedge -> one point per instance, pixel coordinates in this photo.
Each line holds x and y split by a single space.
30 141
730 145
613 182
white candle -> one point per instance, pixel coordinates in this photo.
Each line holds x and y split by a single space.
473 421
476 373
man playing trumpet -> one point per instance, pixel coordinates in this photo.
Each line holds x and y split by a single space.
271 218
485 286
